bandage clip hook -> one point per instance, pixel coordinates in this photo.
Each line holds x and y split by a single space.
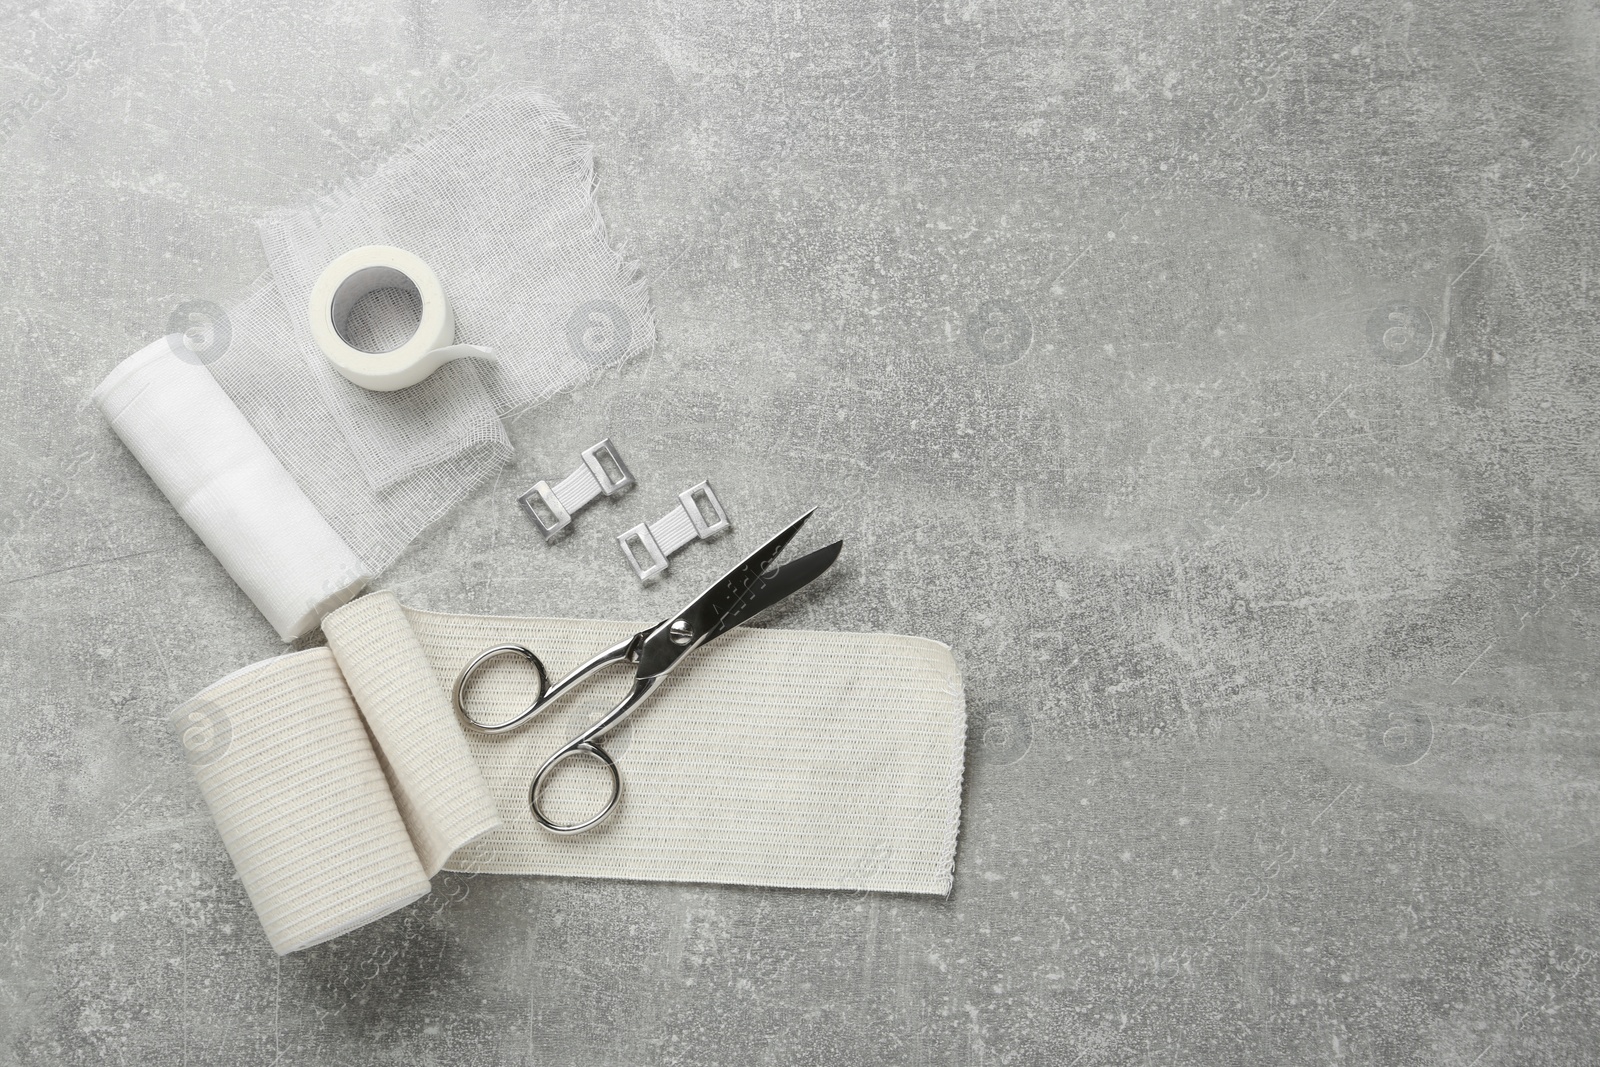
591 480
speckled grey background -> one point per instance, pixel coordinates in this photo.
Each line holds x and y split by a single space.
1217 379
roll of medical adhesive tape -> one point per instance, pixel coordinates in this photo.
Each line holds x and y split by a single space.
364 270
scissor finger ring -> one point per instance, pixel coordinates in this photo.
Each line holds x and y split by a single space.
581 748
458 692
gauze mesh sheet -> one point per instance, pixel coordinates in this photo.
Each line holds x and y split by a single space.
276 390
499 201
771 757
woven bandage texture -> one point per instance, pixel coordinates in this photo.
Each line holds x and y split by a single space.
771 757
300 800
438 788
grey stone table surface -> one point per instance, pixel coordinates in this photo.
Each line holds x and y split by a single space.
1217 379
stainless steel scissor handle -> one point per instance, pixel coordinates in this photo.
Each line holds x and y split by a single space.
741 594
586 743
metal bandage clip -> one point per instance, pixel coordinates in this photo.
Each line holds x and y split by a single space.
684 523
577 490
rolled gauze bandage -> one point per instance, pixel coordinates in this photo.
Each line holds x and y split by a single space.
229 487
360 272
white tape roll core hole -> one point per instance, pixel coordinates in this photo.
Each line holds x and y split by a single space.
358 306
377 309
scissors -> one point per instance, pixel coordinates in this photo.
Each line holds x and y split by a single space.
744 592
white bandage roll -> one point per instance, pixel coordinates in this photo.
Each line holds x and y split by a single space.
229 487
360 272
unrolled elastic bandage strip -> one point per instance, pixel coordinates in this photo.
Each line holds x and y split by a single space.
776 758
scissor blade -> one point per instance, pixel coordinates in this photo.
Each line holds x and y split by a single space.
729 593
725 596
790 579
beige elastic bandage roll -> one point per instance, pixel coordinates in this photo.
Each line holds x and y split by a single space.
772 757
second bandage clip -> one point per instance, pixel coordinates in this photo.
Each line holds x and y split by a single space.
699 515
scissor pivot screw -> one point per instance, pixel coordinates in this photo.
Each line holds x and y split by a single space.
680 632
